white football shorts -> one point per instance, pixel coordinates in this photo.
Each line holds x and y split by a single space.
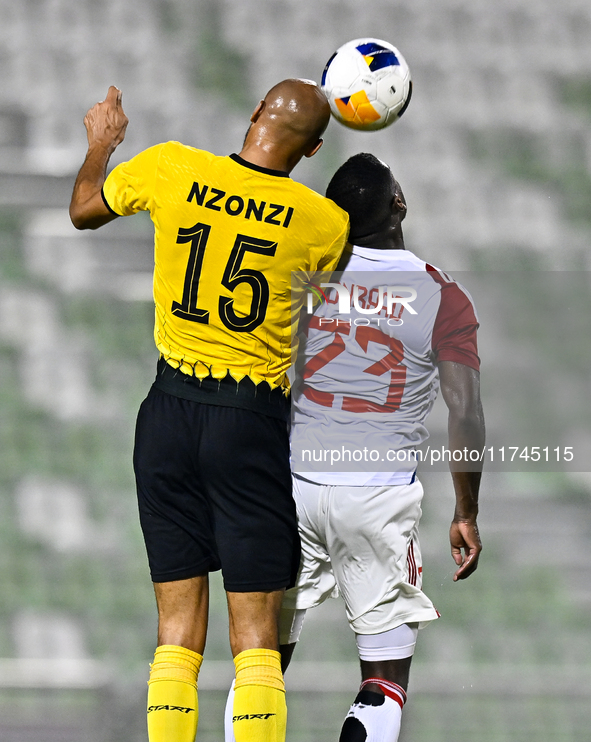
362 543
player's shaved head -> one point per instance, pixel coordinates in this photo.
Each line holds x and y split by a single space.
299 107
287 124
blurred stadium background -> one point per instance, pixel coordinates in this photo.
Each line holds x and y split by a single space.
494 155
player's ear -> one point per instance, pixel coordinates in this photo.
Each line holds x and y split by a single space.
315 148
257 111
399 206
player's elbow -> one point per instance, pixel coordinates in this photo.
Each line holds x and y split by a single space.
77 221
83 219
78 217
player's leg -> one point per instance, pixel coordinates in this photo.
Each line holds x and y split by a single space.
177 526
254 620
373 545
290 625
376 713
245 461
259 708
183 612
315 581
173 709
250 488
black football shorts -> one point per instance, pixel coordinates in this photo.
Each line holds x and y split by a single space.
214 491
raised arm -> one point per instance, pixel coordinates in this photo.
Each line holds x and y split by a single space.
460 388
105 128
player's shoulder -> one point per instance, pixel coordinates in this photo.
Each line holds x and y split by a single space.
438 275
408 260
426 273
332 207
325 203
156 153
329 215
453 293
444 280
369 258
174 149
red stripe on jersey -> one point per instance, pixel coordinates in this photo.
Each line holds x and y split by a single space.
392 690
411 564
454 331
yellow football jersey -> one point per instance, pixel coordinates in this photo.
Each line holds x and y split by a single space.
228 234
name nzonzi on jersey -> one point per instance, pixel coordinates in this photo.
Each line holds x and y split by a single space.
234 205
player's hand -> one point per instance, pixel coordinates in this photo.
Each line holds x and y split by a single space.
106 122
465 547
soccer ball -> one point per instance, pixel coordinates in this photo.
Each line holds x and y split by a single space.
367 83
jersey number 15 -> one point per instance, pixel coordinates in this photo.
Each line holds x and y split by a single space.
234 275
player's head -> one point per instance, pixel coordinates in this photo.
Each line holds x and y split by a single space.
366 189
293 117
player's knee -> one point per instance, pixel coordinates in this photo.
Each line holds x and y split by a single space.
254 620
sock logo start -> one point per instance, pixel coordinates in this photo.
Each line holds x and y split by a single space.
182 709
243 717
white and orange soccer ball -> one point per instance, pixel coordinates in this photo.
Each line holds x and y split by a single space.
367 83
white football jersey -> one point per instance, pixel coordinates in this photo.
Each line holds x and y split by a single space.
368 376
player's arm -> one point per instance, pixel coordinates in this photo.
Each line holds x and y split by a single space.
105 128
460 388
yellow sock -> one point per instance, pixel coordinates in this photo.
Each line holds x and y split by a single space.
260 713
172 695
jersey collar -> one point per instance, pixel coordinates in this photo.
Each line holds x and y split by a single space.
258 168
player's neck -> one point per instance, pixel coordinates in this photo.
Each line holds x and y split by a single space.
267 157
393 240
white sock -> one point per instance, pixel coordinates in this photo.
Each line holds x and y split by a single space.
228 714
373 717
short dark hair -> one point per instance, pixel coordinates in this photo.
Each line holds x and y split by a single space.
362 187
